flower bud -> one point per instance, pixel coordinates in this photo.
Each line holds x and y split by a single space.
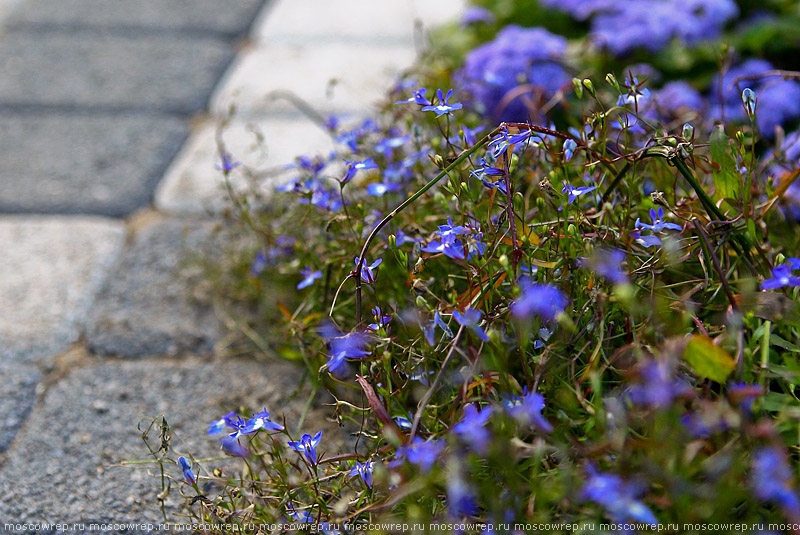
612 81
577 85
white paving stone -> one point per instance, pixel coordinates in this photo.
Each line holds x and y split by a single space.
332 78
51 269
193 184
349 21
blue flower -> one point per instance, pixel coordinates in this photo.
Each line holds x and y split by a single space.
308 446
617 497
368 272
421 453
430 329
543 300
471 428
781 276
386 145
231 446
186 466
474 15
351 346
308 277
216 427
658 386
507 77
378 189
417 97
569 149
402 422
527 409
452 249
460 499
771 479
402 238
608 264
778 99
658 222
261 420
646 241
443 107
573 192
227 163
381 320
470 319
355 167
363 470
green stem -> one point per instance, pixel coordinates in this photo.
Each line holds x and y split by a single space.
361 257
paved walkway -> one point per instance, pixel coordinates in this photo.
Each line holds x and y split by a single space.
108 111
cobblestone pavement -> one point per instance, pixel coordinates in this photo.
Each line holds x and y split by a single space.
108 116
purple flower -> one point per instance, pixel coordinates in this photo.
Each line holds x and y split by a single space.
430 329
543 300
452 249
351 346
231 446
778 99
363 470
471 428
573 192
386 145
460 499
381 320
216 427
658 222
646 241
608 264
402 238
261 420
355 167
781 276
676 98
378 189
421 453
658 386
258 265
402 422
308 277
507 78
443 107
368 272
771 479
470 320
186 467
417 97
475 15
569 150
227 163
527 409
617 497
652 24
307 445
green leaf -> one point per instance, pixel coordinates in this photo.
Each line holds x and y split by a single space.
707 360
727 181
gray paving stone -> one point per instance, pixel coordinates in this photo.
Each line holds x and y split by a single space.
332 77
352 21
80 69
62 467
149 308
104 164
233 17
17 398
193 185
52 268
